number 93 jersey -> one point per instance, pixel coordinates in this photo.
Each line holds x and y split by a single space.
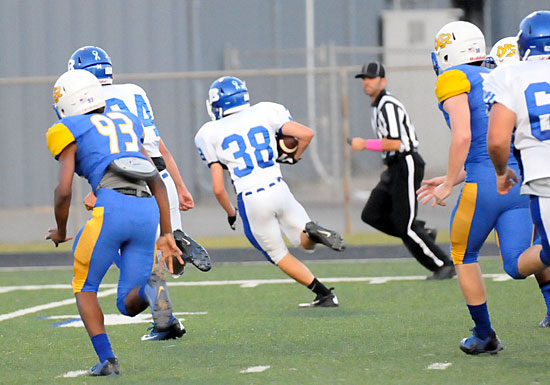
100 139
524 88
244 142
132 98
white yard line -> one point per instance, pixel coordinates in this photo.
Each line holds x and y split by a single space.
245 283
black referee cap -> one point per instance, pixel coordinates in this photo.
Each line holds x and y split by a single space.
372 70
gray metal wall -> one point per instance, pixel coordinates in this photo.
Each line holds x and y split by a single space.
151 36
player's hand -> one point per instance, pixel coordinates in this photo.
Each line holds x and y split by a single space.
507 181
186 200
426 191
357 144
286 159
57 237
89 201
232 220
169 250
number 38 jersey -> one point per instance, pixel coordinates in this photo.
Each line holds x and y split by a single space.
244 142
100 139
132 98
524 88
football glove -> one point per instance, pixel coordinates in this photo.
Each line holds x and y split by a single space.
286 159
232 220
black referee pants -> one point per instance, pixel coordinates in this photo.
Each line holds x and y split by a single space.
392 208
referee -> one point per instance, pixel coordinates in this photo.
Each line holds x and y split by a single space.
392 204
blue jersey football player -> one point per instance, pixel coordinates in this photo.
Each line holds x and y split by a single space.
458 59
105 148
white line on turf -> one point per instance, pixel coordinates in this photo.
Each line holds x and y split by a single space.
256 369
74 321
250 283
74 373
439 366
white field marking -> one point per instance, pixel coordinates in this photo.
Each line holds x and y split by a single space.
74 373
74 321
250 283
51 305
439 366
256 369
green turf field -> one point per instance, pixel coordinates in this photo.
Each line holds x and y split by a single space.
385 333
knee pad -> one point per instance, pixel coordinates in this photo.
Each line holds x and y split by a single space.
511 268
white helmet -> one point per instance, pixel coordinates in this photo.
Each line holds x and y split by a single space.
504 51
458 42
76 93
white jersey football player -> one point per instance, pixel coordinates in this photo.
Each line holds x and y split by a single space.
518 95
132 98
242 139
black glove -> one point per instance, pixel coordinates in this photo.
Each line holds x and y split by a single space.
232 220
286 159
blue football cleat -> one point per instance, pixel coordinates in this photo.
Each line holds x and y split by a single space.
159 300
176 330
108 368
476 345
545 323
192 252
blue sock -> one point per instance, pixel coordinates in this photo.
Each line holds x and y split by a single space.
102 346
480 316
545 290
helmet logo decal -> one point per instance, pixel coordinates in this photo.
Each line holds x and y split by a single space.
442 40
96 55
57 94
71 64
506 50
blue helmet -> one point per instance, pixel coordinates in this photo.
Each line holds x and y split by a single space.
534 35
226 96
94 60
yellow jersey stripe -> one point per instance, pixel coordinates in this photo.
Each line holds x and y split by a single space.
462 222
58 137
451 83
85 248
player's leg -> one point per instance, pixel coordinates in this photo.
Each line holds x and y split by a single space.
260 213
471 223
94 251
292 216
540 256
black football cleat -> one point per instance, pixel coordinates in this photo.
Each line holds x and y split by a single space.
175 331
329 300
475 345
444 272
108 368
192 252
330 238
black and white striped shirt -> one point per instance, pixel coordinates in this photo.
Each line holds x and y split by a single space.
391 121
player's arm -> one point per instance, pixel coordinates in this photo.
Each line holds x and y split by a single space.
303 133
459 115
62 195
185 197
218 187
502 121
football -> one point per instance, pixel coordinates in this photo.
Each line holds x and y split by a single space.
286 144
